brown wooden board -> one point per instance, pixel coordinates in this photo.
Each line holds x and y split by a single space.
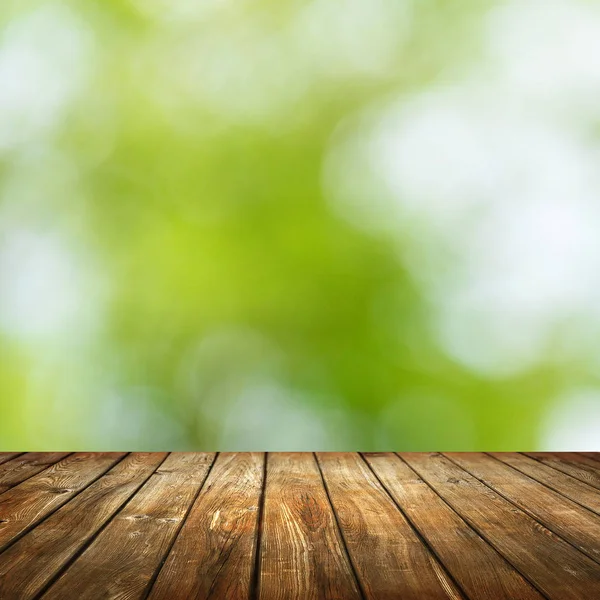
6 456
593 455
300 526
388 556
554 566
481 572
34 560
564 517
25 466
25 505
582 468
302 553
214 555
566 485
122 560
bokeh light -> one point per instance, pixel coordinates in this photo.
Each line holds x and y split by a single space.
287 226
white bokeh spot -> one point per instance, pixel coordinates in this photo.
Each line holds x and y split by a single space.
573 423
491 185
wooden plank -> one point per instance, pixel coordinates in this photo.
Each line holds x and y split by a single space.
555 567
559 514
589 458
122 560
6 456
388 556
214 554
580 467
566 485
481 572
593 455
33 561
22 507
302 553
25 466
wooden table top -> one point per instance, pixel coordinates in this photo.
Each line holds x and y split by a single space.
300 525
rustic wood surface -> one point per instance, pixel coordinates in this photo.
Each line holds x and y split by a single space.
300 526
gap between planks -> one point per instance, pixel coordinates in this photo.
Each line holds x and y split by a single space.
359 583
481 515
476 530
33 524
531 514
161 564
414 528
255 586
88 542
562 478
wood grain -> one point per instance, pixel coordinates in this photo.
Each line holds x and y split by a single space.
566 485
214 554
25 466
481 572
387 555
555 567
302 553
553 510
24 506
6 456
593 455
122 560
572 464
250 526
32 562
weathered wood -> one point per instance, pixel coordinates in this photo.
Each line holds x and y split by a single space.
6 456
552 510
302 553
214 555
572 464
481 572
24 506
555 567
25 466
332 525
566 485
122 560
32 562
388 556
593 455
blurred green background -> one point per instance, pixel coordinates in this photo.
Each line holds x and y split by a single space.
309 224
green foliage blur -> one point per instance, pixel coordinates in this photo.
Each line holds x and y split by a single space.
199 249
